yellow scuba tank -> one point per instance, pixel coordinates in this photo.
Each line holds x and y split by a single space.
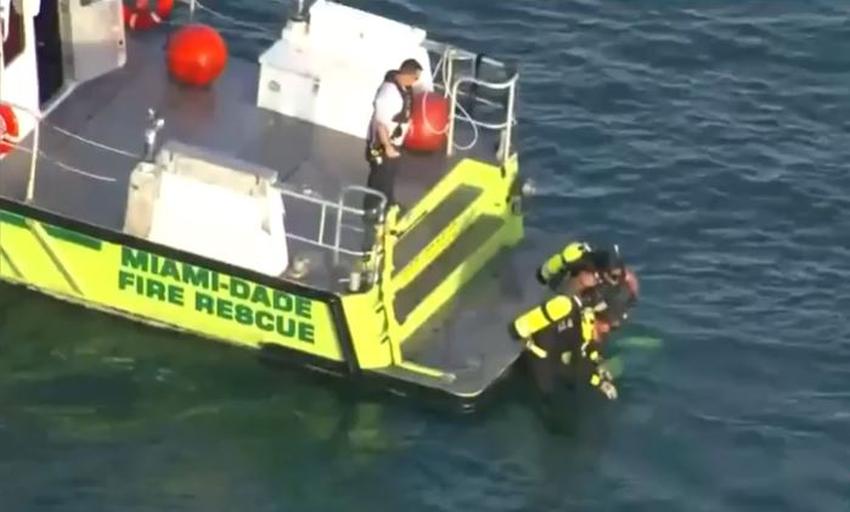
558 262
542 316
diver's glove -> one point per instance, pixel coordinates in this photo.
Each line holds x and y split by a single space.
608 389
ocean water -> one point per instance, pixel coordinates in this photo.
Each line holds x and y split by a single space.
710 139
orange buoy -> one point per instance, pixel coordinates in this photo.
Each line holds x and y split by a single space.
145 14
9 128
197 55
429 120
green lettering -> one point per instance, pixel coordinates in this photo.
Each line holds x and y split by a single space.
175 295
282 302
155 290
303 307
125 279
261 296
196 276
265 321
204 302
224 309
169 269
239 289
285 326
154 264
244 315
306 332
137 260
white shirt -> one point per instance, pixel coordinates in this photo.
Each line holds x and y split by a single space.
387 104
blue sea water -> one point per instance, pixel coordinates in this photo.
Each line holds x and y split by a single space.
709 139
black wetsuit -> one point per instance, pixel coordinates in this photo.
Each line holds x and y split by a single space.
611 301
563 337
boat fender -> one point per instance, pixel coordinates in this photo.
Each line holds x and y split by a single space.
9 128
145 14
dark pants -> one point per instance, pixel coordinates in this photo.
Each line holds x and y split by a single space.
381 178
550 372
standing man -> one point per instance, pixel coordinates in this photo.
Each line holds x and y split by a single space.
388 127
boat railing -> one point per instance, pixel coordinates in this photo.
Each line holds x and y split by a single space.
506 127
457 83
337 210
471 86
33 150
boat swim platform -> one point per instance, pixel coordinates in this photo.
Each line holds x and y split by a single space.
468 337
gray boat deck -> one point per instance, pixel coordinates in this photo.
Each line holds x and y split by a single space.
468 338
112 110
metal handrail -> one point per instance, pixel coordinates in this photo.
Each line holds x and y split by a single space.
340 208
343 250
463 55
316 200
510 120
496 86
473 97
36 136
341 205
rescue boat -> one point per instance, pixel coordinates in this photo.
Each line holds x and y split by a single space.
233 212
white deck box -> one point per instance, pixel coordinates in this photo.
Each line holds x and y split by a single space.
327 72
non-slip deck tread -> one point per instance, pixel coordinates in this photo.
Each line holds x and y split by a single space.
433 223
453 256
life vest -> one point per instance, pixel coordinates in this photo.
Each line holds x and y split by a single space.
557 264
145 14
9 128
401 118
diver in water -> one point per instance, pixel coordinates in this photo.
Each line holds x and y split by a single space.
617 290
562 339
613 289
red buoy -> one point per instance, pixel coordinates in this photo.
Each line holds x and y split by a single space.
145 14
197 55
429 121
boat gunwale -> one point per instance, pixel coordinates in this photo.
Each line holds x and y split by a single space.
332 300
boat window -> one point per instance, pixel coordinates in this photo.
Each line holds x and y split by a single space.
14 44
